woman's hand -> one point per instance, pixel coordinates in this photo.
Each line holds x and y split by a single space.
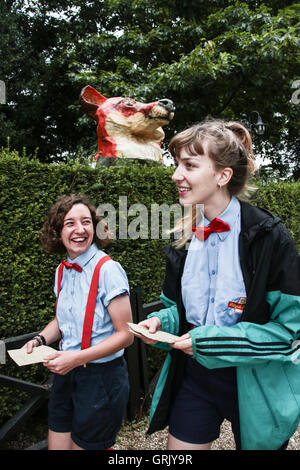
30 345
51 334
62 362
184 343
153 324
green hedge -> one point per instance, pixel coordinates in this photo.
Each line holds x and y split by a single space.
283 199
29 188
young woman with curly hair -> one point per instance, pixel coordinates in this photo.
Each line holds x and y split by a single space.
90 389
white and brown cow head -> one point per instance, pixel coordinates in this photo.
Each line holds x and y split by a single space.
127 128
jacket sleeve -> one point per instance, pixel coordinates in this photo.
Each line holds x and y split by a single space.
245 343
251 343
169 319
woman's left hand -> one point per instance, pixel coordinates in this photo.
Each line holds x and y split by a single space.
184 343
62 362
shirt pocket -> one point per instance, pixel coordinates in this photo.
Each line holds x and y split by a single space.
231 301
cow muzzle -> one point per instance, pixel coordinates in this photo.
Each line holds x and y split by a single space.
166 103
163 110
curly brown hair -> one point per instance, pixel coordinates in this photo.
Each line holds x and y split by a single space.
50 234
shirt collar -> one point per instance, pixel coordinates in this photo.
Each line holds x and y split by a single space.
85 257
229 215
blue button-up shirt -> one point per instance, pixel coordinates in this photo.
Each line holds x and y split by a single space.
213 289
74 294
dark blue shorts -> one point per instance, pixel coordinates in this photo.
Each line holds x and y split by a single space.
90 403
205 398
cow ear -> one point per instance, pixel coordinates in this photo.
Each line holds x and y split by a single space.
90 100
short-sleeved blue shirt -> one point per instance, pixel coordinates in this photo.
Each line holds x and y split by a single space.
213 289
73 299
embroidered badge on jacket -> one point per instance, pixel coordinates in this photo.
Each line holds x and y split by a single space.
238 306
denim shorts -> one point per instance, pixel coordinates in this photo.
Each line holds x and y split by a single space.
206 397
90 403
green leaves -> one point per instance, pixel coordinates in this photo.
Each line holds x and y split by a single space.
28 188
211 58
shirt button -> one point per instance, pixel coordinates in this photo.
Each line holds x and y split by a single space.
212 243
212 300
213 271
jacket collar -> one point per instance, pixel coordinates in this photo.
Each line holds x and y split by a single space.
256 221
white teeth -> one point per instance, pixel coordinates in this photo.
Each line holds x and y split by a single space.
184 189
78 239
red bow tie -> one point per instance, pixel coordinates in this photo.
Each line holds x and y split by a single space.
216 225
72 266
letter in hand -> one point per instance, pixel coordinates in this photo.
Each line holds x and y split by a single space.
30 345
184 343
62 362
153 324
153 334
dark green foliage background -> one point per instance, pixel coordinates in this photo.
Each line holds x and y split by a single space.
217 58
28 188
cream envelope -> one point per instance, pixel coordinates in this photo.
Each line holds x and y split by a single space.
22 358
160 336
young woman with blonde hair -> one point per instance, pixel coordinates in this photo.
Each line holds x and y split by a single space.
231 293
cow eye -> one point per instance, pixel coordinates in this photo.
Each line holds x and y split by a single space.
128 103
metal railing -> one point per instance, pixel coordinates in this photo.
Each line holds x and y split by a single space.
137 369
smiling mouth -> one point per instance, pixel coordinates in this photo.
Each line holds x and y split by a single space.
183 189
78 240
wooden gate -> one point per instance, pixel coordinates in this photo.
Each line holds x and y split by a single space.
137 369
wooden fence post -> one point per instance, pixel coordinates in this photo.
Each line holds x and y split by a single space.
39 393
137 369
136 361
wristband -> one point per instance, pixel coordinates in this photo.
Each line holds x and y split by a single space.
40 339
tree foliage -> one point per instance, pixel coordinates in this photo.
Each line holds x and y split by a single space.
216 58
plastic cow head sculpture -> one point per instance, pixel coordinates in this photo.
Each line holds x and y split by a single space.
127 128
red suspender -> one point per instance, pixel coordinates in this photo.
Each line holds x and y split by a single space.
91 302
90 306
59 278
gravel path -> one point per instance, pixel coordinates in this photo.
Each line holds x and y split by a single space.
132 437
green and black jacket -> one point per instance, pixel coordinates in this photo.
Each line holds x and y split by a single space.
264 345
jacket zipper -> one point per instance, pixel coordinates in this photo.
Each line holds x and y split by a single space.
265 398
